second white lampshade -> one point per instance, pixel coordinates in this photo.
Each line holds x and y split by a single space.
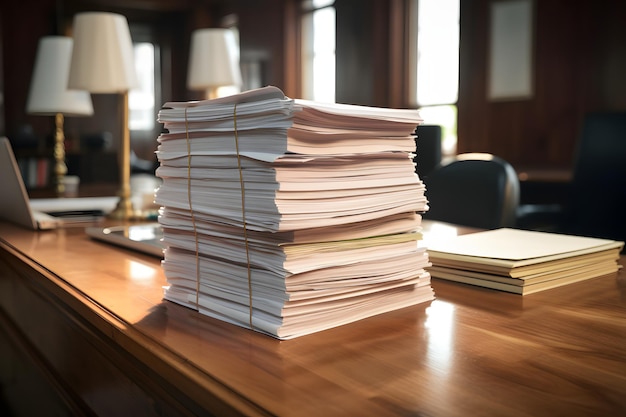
102 59
213 59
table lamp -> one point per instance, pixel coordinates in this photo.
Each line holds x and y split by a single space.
49 95
213 61
103 63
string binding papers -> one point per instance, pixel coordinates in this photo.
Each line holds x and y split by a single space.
287 216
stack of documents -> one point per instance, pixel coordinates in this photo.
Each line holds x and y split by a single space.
288 216
522 261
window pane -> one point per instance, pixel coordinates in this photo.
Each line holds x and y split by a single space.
437 52
444 116
324 55
141 100
318 49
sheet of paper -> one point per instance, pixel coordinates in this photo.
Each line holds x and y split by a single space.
515 244
46 205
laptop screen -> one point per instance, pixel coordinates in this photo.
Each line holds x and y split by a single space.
14 205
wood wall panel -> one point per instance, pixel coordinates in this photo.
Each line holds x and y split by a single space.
577 56
21 30
363 52
262 37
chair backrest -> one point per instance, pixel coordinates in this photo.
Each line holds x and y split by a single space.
428 153
597 200
473 189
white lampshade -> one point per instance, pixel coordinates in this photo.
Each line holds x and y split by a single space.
213 59
48 94
102 59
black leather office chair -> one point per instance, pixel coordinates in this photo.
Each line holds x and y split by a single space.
473 189
428 153
596 204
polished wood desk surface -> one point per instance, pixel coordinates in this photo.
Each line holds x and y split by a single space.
470 352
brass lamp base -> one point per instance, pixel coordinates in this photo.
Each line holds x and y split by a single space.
60 168
125 211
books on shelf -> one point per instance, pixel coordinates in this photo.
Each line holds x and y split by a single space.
522 261
35 171
289 216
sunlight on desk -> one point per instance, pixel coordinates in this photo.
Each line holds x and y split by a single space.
436 232
142 273
440 323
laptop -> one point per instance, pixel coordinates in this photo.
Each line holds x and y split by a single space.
42 214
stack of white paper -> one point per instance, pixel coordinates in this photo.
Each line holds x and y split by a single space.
288 216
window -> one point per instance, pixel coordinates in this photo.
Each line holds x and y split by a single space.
141 101
437 65
145 100
318 50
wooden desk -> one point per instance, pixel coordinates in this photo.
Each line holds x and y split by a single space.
90 320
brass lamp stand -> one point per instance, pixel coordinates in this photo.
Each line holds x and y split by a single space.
60 168
124 209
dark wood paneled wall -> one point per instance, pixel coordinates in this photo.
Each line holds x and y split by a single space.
579 63
579 50
23 24
362 52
